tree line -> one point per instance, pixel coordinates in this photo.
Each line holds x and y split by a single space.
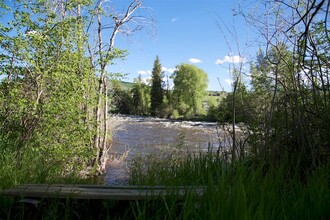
157 99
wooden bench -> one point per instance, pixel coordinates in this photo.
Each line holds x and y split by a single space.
99 192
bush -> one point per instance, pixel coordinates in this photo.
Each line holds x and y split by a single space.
175 114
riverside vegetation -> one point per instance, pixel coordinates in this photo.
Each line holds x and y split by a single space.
54 105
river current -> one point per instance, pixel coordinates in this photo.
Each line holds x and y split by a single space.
132 135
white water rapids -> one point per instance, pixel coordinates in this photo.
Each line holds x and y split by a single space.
132 135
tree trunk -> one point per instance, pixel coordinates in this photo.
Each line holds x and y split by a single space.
105 145
101 136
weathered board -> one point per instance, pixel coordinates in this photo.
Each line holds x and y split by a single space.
97 192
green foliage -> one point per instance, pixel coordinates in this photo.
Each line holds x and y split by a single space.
167 106
51 98
285 111
243 190
36 168
281 104
141 97
242 105
190 83
156 93
122 100
47 91
125 85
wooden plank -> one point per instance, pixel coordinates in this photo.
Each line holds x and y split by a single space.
98 192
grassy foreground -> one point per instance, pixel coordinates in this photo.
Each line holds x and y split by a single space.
243 190
33 168
240 191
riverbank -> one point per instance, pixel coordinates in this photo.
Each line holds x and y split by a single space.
241 190
245 189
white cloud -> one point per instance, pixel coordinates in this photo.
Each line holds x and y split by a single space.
229 82
149 72
174 19
144 72
230 59
170 84
170 70
32 33
146 80
194 60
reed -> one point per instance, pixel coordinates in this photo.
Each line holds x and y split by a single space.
237 191
241 190
32 168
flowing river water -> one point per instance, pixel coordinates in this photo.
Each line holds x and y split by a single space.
133 136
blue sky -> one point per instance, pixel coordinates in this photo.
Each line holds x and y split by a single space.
186 31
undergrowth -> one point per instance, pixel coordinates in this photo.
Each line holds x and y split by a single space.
242 190
32 168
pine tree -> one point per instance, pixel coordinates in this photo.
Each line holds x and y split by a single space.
156 88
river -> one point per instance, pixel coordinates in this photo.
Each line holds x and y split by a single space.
132 135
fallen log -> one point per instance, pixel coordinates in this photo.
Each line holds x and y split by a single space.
99 192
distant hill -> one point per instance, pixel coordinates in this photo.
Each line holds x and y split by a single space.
129 85
126 85
123 85
217 93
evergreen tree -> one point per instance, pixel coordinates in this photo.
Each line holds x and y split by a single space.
156 92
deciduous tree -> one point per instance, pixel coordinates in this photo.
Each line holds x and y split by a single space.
53 100
109 22
190 83
42 94
297 42
141 97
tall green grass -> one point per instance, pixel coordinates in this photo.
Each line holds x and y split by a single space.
241 190
236 191
32 168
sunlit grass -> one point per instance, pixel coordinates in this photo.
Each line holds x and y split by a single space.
240 190
243 190
32 168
